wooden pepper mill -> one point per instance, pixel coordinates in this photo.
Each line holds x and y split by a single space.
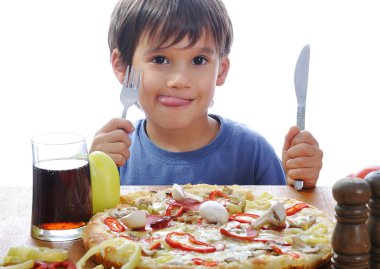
350 240
373 223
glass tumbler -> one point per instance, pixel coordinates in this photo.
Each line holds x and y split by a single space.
62 203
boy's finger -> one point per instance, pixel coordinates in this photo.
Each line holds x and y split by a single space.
117 123
293 131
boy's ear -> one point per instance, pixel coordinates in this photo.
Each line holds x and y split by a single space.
224 66
118 65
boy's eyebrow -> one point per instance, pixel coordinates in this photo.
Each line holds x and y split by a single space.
206 50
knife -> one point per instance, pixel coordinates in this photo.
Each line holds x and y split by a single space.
301 75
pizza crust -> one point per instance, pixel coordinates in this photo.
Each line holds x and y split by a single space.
96 232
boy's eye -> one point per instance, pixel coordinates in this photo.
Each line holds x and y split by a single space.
199 60
159 60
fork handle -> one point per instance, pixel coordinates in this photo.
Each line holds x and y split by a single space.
124 114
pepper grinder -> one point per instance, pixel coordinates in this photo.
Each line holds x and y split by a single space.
350 240
373 223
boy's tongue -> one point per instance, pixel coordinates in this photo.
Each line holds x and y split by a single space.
173 101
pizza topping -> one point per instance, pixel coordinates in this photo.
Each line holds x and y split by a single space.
121 212
179 194
243 217
114 225
296 208
276 216
175 210
199 261
261 202
217 193
213 212
128 253
65 264
150 245
188 242
142 203
135 220
236 230
160 223
303 222
39 253
301 245
23 265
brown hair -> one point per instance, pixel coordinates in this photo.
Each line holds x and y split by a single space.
164 20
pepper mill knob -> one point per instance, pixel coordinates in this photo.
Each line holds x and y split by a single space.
350 240
373 223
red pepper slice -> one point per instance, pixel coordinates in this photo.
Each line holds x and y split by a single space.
217 193
279 251
174 210
236 217
296 208
199 261
114 225
248 235
292 254
276 249
152 242
197 246
66 264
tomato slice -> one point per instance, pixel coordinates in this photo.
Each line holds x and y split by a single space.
296 208
114 225
196 245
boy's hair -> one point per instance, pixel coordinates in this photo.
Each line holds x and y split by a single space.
168 20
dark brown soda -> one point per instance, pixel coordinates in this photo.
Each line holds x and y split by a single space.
61 194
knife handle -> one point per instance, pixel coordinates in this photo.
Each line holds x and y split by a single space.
301 117
298 184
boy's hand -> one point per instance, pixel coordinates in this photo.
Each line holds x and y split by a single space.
301 157
113 140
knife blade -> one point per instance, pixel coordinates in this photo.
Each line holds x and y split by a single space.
301 76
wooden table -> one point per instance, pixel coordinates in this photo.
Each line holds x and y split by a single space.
16 204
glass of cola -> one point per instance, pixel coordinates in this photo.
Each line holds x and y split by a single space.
62 199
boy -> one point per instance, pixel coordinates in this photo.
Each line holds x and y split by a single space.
182 48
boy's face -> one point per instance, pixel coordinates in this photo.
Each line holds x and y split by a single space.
178 82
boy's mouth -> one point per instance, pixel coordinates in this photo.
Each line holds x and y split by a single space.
173 101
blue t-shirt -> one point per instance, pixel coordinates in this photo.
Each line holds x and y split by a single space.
237 155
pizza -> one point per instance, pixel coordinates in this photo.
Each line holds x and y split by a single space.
202 226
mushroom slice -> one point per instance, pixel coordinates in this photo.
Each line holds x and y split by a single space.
301 245
276 215
121 211
135 220
179 194
213 212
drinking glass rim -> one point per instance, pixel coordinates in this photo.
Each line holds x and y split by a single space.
58 138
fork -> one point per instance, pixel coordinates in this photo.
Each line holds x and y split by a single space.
130 92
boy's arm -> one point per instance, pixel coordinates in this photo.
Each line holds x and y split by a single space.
301 157
113 140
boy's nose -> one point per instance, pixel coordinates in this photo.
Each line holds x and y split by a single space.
179 79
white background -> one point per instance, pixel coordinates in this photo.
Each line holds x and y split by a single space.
55 76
